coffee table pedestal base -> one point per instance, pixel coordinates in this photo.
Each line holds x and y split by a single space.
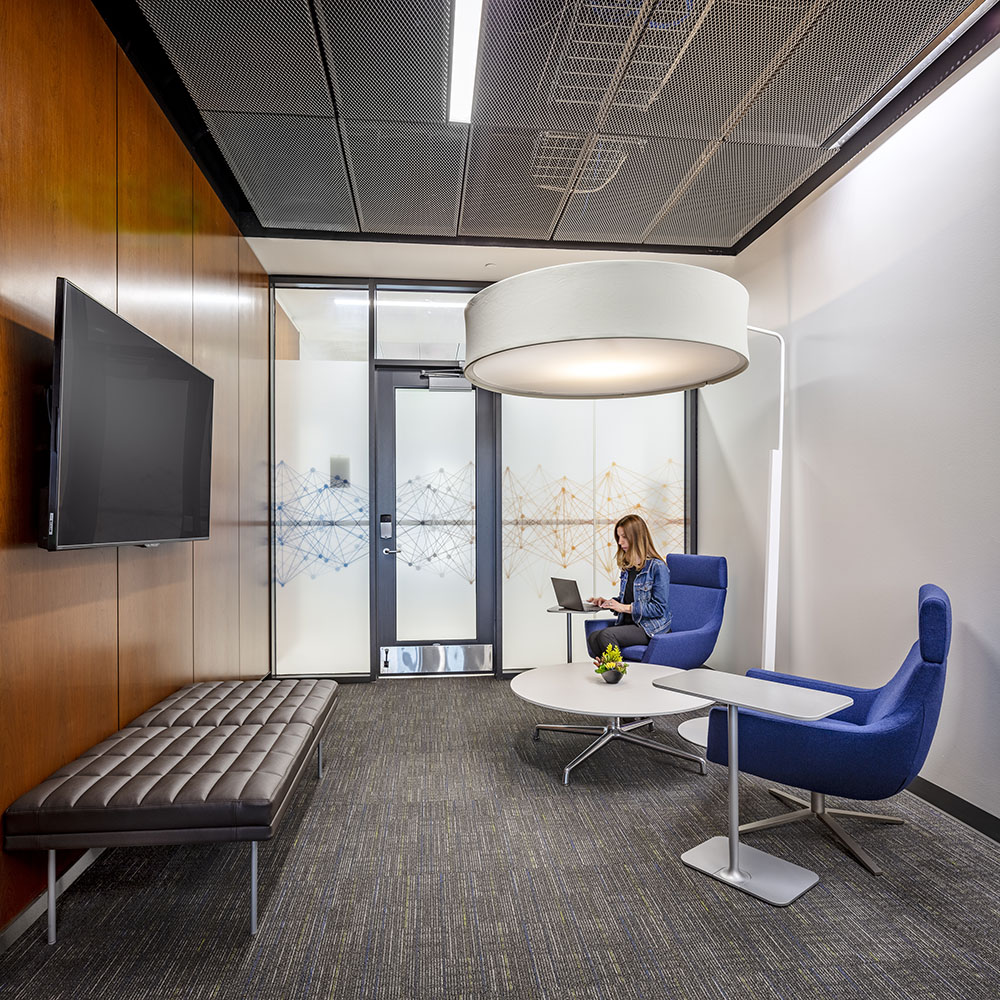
762 875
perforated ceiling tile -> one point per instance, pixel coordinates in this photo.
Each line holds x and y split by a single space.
390 60
668 122
696 72
519 45
620 209
244 55
407 176
854 50
728 189
502 196
290 168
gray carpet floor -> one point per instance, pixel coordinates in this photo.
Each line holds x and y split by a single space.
441 857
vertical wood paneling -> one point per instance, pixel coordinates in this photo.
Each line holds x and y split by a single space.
216 340
286 336
58 658
254 466
156 624
97 187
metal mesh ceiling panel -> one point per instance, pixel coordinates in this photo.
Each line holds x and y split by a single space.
631 122
853 51
244 55
390 60
291 169
502 196
623 209
729 188
699 68
407 176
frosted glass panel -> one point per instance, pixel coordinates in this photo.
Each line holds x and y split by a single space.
420 325
571 469
321 506
435 515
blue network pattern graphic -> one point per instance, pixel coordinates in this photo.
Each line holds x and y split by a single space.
317 526
322 525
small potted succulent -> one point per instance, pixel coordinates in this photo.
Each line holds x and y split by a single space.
610 665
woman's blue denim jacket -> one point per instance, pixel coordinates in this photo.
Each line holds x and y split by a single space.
650 609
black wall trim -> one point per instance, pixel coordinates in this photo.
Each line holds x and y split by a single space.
251 227
140 44
978 819
984 31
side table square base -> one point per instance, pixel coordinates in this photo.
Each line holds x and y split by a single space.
762 875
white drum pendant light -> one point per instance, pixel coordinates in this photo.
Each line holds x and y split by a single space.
603 329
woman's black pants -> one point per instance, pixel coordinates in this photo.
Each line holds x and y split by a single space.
620 635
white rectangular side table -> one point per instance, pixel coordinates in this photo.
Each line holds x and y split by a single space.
760 874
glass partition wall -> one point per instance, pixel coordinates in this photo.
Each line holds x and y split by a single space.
410 508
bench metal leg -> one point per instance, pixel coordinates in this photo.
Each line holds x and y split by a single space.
319 760
253 886
52 897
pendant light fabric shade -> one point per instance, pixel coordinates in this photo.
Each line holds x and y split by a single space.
602 329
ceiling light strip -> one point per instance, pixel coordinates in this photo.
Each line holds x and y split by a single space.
920 62
464 59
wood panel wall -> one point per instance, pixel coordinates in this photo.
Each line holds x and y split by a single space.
216 329
255 463
286 336
97 187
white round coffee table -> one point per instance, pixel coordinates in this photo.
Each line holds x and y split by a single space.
574 687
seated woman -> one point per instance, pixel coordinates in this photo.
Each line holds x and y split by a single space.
641 605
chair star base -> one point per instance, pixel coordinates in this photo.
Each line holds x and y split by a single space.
817 807
614 730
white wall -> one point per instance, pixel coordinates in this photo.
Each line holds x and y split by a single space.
887 286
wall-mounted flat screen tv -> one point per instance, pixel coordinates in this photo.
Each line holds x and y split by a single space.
131 448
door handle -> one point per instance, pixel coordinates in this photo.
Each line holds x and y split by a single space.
391 552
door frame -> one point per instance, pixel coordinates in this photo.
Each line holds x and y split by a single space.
387 376
492 503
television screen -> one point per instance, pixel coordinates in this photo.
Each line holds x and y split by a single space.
131 452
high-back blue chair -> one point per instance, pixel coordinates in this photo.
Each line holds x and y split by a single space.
871 750
696 597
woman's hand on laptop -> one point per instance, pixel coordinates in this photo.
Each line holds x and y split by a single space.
599 601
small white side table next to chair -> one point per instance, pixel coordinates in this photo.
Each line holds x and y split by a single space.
760 874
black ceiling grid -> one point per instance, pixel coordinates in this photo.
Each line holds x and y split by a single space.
669 125
293 165
144 51
390 63
407 175
254 70
980 34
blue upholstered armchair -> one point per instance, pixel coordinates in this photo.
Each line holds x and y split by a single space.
871 750
696 598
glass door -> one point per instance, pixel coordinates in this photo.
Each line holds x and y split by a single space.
436 513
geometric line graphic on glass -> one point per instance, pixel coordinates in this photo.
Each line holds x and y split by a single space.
549 520
317 526
321 525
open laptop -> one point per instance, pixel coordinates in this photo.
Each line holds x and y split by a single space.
568 596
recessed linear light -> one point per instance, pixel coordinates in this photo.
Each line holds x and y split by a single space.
464 57
922 63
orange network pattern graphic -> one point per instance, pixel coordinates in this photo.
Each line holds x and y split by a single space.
570 523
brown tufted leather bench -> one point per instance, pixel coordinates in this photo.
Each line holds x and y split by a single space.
213 761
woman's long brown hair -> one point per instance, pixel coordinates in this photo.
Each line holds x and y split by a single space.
640 543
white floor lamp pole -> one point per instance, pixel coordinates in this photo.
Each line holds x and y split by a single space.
696 730
773 535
